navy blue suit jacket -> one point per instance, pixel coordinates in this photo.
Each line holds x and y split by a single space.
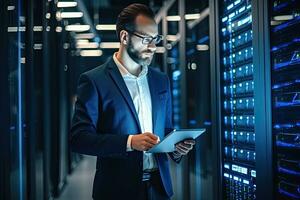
104 117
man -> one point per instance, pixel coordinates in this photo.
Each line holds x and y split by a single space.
123 109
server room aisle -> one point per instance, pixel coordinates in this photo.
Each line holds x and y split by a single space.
79 185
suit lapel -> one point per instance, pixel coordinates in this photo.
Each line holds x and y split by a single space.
119 81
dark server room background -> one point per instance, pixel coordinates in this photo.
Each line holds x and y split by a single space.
234 68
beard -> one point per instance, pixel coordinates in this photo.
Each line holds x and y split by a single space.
137 56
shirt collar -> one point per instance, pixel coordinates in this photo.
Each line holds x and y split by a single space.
125 73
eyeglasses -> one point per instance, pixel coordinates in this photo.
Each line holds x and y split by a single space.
148 39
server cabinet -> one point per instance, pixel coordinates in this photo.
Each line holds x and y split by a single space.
285 71
237 98
257 76
16 168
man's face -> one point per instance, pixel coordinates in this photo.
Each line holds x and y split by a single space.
139 52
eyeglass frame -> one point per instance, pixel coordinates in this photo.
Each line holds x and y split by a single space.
143 37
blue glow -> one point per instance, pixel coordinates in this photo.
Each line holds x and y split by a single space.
276 86
294 102
224 19
275 48
237 2
230 6
175 92
287 24
244 21
296 95
207 123
295 58
288 193
176 75
281 65
231 15
242 9
97 39
281 46
286 104
285 144
279 126
190 52
174 52
288 171
192 122
280 6
296 40
204 39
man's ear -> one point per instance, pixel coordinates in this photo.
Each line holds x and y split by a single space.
124 37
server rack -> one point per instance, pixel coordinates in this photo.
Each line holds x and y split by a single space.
275 74
17 159
285 62
237 99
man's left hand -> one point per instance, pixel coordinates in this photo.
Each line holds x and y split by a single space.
183 147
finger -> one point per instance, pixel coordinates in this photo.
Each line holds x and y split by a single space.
183 147
176 153
150 145
152 136
147 146
150 141
192 142
186 149
188 146
181 150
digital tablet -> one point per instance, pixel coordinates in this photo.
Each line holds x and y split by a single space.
168 143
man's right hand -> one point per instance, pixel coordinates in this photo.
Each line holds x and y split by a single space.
144 141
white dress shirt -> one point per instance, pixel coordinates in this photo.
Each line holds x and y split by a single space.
139 91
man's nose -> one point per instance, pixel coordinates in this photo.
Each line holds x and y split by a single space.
152 47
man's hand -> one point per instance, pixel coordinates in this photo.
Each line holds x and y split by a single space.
183 147
144 141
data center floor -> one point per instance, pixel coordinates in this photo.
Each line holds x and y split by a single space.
79 183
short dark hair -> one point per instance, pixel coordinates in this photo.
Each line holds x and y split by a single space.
126 18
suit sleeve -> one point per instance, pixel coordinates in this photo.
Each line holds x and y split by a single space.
169 119
83 134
